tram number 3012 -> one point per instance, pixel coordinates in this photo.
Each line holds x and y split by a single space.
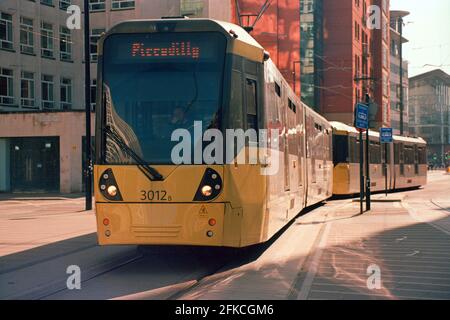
152 195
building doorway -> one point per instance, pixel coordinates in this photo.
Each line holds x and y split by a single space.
35 164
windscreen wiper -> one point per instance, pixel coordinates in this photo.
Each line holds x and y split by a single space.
151 173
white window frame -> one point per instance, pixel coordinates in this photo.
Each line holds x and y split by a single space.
93 41
7 42
27 28
66 85
47 81
64 4
47 51
47 2
97 5
93 90
123 4
65 36
27 78
8 74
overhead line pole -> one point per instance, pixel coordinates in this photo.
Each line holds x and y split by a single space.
368 181
87 95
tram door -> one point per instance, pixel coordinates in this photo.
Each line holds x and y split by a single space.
402 159
302 175
416 160
287 177
301 147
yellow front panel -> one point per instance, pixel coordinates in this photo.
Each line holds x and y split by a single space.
163 224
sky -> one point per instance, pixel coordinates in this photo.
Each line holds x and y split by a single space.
428 31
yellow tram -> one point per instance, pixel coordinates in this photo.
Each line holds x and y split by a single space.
157 76
406 165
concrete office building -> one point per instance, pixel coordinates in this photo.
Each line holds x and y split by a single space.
40 58
429 113
41 84
397 42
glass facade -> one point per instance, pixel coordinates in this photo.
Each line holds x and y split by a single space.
311 51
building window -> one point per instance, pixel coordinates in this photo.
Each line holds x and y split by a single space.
6 86
122 4
64 4
66 93
385 85
6 31
97 5
93 93
65 44
27 89
47 2
46 40
47 92
95 35
26 36
191 8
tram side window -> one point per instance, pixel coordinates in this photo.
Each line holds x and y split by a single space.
341 150
422 156
235 111
375 152
252 105
354 150
396 153
292 106
278 89
409 155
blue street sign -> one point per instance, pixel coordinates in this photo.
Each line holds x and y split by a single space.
386 135
362 116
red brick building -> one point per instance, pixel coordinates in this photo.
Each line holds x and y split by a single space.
381 65
277 30
355 59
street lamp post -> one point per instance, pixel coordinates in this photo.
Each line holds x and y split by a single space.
400 29
87 90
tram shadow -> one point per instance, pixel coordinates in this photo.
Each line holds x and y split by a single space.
220 258
166 272
118 272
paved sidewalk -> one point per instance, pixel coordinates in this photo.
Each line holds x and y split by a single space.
332 252
26 224
413 257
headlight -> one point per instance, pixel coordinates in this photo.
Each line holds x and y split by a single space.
112 191
210 186
109 187
207 191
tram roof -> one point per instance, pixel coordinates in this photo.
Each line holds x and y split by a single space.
240 41
343 128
